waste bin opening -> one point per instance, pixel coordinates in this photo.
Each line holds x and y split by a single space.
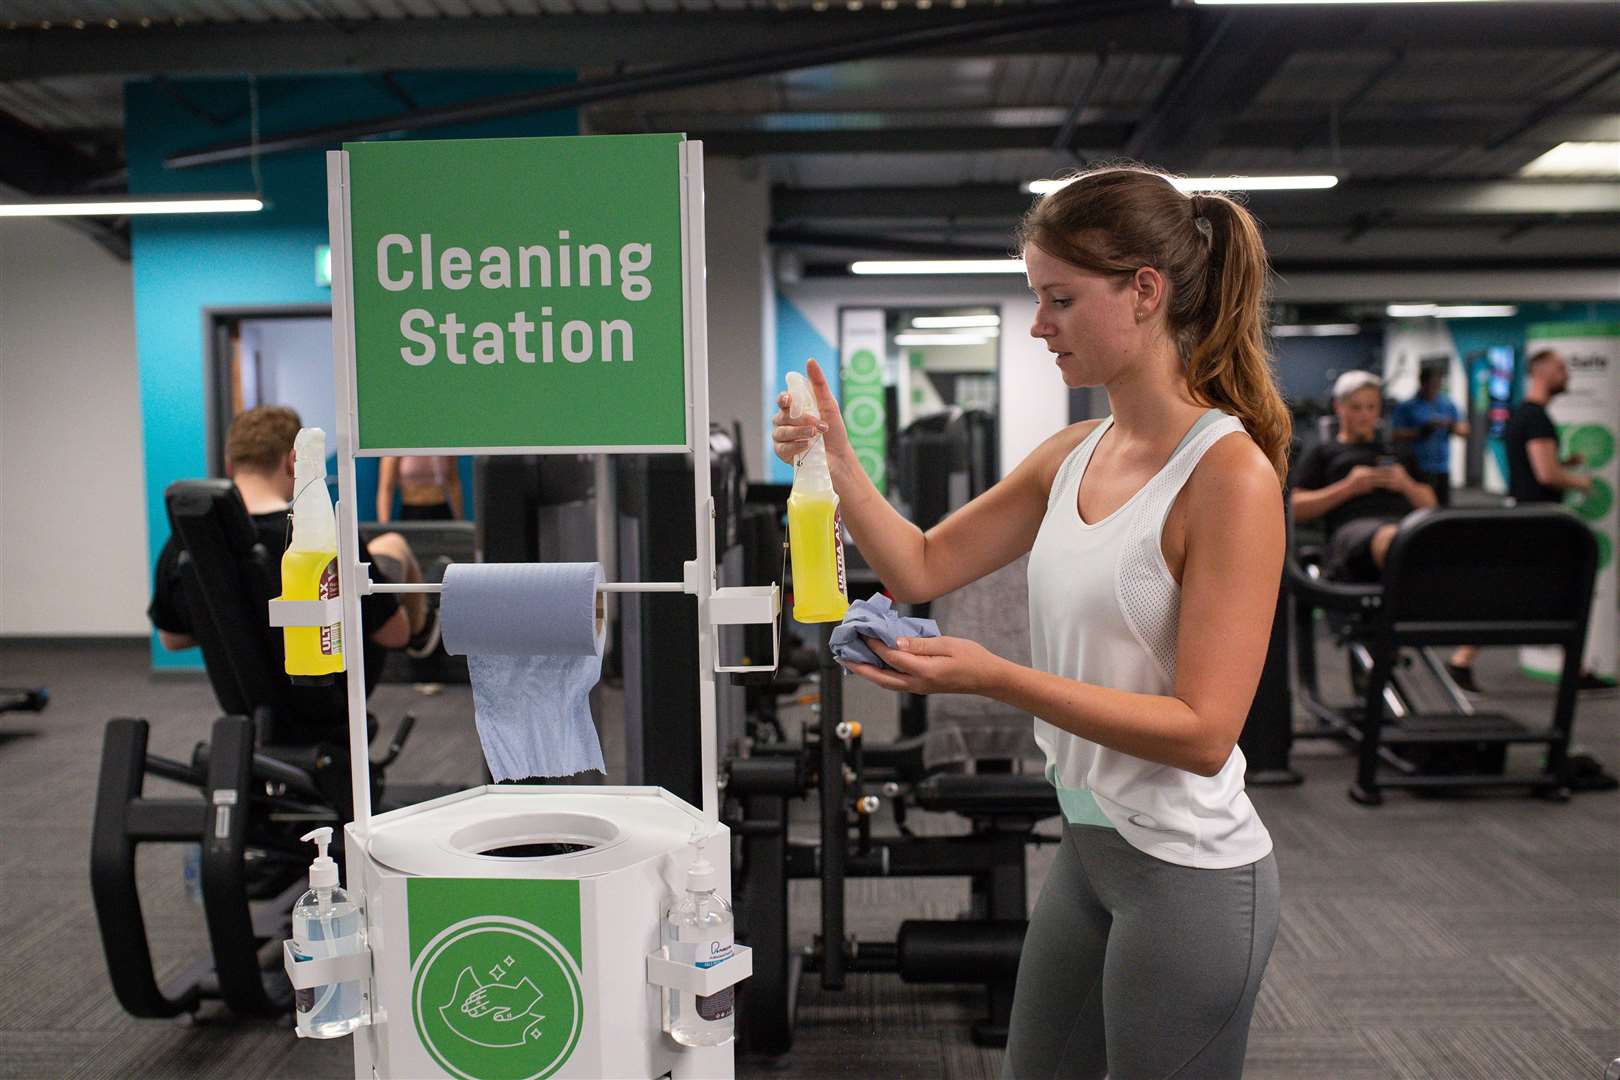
535 835
535 851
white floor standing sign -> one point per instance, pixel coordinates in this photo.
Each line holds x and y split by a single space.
526 296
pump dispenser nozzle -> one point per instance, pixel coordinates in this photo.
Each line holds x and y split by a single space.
323 872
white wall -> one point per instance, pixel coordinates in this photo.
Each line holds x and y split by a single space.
1034 401
737 212
72 490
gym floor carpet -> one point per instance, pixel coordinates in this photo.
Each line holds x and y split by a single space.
1457 938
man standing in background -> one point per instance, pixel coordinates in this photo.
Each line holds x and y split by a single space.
1536 474
1427 422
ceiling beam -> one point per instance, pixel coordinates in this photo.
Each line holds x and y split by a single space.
565 42
677 75
1409 201
630 40
1105 137
38 163
1214 86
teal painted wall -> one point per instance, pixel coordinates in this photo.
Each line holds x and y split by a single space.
184 265
796 338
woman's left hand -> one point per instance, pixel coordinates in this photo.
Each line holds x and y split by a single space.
936 665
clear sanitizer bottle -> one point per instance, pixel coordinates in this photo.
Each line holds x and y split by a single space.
325 922
699 931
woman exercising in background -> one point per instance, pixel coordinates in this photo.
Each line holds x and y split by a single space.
429 488
1156 547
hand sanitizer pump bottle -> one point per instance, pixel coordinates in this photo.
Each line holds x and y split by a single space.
325 922
699 931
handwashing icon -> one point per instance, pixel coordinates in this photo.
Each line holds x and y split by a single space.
493 1014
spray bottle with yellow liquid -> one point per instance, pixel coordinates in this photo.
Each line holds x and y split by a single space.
309 568
815 531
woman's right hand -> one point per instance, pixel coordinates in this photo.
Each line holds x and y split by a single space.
791 435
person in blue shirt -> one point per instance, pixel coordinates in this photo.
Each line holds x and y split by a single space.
1427 422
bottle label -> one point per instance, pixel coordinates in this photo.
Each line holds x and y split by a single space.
707 954
838 548
303 1000
331 636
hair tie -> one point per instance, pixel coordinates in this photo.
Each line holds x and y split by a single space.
1201 222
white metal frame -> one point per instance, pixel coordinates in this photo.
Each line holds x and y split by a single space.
716 606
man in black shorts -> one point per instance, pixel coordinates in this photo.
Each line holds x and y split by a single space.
1362 487
259 460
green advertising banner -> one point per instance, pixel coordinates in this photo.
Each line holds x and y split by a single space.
521 294
865 416
496 996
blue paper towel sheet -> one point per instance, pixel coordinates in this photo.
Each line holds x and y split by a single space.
874 618
534 651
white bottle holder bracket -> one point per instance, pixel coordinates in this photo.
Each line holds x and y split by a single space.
667 975
305 612
747 605
704 982
324 970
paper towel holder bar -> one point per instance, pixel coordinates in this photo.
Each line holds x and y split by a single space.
606 586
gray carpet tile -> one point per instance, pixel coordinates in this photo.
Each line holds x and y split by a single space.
1579 989
1470 938
1320 929
1444 1053
1295 1055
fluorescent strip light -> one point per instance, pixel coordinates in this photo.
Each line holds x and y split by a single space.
1317 182
123 207
1316 330
937 266
949 322
1452 311
941 339
1276 3
1577 159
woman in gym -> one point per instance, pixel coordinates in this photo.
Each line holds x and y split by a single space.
1156 540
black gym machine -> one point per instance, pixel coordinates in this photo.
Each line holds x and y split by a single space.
852 780
256 785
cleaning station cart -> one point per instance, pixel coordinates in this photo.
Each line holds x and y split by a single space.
524 296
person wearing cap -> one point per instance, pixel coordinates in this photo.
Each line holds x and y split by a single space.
1360 485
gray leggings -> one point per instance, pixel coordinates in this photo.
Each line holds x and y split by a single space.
1138 969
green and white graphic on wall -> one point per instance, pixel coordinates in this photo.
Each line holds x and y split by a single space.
496 996
518 293
865 417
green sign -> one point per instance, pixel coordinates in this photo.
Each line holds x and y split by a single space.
496 996
518 293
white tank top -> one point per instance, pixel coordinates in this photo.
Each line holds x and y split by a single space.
1104 609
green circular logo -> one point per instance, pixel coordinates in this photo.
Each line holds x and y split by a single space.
1595 444
1605 548
863 364
1593 505
871 464
496 998
863 416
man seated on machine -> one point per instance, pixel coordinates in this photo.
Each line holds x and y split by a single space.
1361 486
259 461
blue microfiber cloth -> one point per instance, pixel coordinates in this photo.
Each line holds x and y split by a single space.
875 618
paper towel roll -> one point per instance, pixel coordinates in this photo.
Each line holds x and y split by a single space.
522 609
532 634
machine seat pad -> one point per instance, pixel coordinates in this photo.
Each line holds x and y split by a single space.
1027 795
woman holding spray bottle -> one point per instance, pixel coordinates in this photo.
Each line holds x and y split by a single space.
1156 545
